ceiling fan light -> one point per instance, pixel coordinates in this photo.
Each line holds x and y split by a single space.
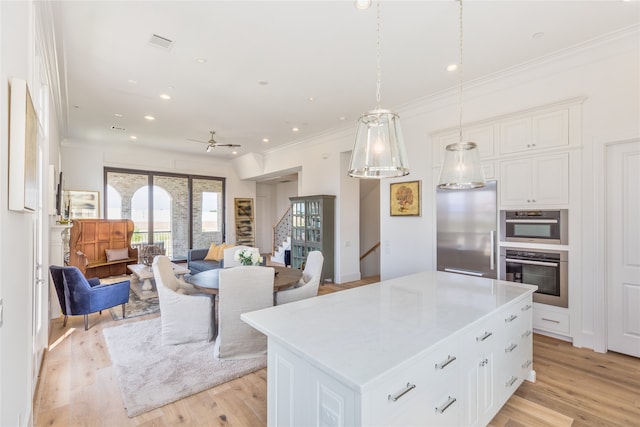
461 168
379 149
209 147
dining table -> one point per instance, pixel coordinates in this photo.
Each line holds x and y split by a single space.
207 281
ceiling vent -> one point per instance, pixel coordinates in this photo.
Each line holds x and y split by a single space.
118 128
161 42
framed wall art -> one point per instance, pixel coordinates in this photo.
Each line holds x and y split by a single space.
245 232
23 149
405 198
81 204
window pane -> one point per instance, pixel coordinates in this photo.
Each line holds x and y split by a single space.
208 217
171 215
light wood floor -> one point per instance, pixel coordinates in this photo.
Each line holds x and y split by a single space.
78 387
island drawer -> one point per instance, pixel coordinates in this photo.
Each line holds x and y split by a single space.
427 390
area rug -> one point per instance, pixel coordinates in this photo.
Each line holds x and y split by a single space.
151 375
135 307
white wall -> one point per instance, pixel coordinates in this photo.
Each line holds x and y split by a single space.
16 231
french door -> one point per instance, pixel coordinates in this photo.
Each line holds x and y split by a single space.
174 212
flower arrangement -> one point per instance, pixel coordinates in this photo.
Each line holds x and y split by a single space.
248 256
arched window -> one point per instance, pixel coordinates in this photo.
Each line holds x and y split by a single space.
178 212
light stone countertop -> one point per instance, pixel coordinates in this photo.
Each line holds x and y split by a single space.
360 334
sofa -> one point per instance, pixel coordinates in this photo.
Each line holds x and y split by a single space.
199 260
197 263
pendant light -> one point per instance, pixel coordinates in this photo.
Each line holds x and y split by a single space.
379 148
461 168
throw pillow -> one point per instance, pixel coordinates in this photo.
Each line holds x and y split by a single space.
212 255
116 254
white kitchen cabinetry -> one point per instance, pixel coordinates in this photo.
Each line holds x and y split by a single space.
536 132
535 181
551 319
482 135
429 349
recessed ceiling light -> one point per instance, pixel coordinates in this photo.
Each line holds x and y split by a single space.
149 117
234 152
133 137
265 139
295 129
165 96
342 118
133 82
201 60
311 99
363 4
538 35
117 114
452 67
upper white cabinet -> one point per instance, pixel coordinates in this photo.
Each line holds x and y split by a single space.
482 135
535 181
536 132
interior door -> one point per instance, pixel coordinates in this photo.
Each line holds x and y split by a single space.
623 247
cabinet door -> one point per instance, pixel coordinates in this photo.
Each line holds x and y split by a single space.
479 346
515 135
551 180
535 181
515 182
550 130
534 133
483 136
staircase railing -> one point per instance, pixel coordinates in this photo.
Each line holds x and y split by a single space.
282 230
373 248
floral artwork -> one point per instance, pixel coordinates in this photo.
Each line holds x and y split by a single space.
405 198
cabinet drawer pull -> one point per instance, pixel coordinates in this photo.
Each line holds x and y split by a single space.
484 336
510 318
398 395
510 348
526 307
526 334
444 364
526 364
450 401
550 320
511 381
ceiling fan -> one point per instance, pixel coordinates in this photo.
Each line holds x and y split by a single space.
212 143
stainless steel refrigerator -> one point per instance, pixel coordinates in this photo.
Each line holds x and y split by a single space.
467 224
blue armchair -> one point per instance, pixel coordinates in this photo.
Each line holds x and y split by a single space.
77 295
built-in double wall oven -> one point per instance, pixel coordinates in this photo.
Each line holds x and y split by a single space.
545 268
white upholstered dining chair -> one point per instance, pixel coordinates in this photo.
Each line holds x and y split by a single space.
186 316
308 284
230 256
240 290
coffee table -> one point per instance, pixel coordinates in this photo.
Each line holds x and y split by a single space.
144 273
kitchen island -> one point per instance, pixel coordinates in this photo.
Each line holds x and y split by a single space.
432 348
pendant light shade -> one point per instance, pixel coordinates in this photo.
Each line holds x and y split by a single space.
379 148
461 169
378 151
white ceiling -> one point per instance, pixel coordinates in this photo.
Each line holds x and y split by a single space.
301 49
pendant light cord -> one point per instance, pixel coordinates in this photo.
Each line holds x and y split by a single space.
460 75
379 71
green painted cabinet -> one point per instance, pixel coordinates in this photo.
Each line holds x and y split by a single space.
312 229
